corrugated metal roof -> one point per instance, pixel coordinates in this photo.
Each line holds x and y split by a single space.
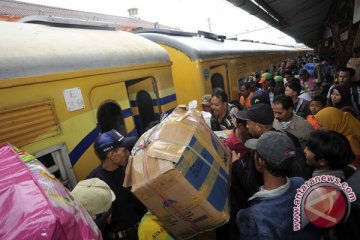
304 20
22 9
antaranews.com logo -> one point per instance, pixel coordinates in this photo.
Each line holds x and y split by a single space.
323 201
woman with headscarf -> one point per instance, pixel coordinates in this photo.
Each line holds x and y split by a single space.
334 119
340 97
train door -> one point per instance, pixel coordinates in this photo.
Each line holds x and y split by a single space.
107 100
144 101
219 77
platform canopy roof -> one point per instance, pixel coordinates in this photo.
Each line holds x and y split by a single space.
304 20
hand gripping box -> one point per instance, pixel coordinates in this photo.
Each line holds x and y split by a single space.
180 170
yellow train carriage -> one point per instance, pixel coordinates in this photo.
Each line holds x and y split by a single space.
204 61
60 87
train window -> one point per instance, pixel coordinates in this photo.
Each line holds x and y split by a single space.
217 80
146 109
109 117
56 160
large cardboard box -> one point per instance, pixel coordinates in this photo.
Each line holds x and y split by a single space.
180 171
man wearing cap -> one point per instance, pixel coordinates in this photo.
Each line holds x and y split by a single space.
113 150
259 117
270 214
267 82
279 85
97 197
260 96
245 180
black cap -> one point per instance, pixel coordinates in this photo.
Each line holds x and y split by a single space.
112 139
260 96
260 113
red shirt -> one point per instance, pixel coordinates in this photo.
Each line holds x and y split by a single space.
234 144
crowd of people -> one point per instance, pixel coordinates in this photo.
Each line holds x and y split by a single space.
296 122
290 124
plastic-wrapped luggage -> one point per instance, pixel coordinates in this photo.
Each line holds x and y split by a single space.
35 205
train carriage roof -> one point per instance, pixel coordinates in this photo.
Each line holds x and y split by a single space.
32 50
198 47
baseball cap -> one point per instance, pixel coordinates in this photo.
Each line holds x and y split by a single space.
273 146
206 100
260 113
265 76
278 78
95 195
260 96
112 139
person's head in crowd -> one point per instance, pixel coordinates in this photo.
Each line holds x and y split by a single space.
334 119
252 81
260 96
317 103
303 74
346 75
293 89
219 102
283 107
245 89
259 118
340 96
96 197
336 78
328 150
206 103
113 148
279 79
302 64
275 153
288 75
279 85
266 80
283 64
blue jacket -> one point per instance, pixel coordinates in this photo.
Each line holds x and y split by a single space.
271 217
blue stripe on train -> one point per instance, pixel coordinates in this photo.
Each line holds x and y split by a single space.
126 113
168 99
164 100
86 142
83 145
89 139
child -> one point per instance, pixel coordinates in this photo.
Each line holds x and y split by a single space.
317 103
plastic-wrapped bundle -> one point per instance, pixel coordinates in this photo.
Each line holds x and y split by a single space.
35 205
